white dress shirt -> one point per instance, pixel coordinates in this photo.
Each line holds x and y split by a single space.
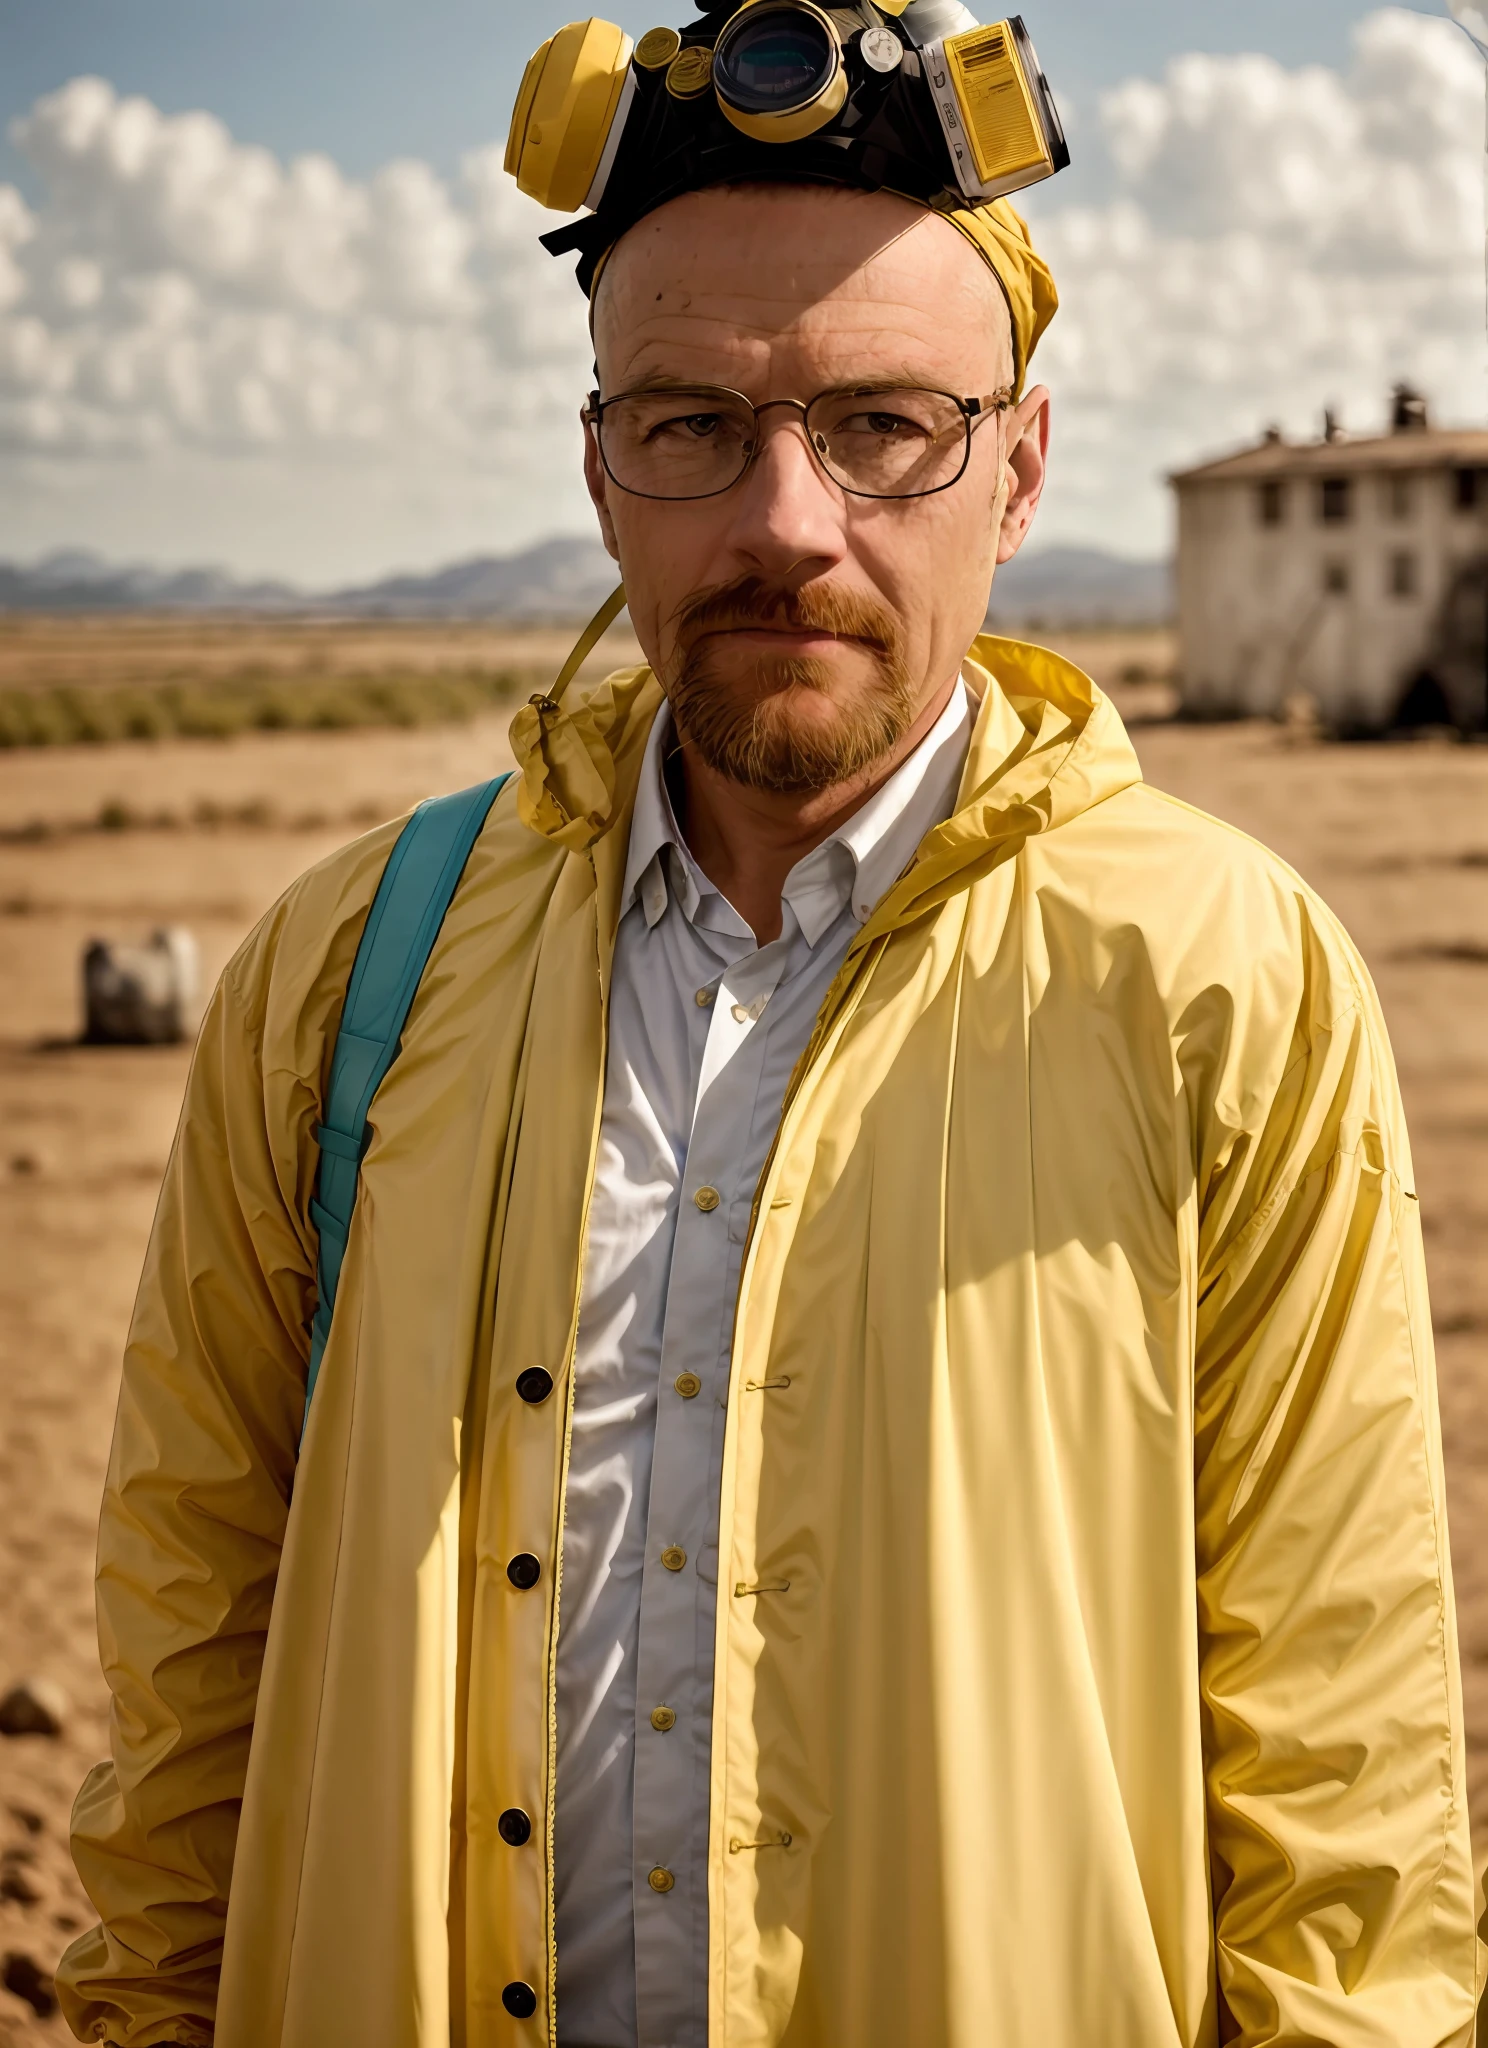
705 1028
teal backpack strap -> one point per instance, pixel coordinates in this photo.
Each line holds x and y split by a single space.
421 877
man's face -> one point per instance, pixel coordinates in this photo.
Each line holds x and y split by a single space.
802 631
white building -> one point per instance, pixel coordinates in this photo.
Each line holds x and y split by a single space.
1348 575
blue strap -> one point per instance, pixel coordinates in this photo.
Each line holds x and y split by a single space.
422 874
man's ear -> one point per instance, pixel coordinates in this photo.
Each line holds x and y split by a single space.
598 482
1028 450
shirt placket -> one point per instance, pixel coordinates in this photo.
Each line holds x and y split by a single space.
680 1581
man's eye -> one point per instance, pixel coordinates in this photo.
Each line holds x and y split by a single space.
697 426
884 426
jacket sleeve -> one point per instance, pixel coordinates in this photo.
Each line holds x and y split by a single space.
193 1519
1341 1862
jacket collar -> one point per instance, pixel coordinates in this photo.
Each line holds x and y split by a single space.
1046 746
857 863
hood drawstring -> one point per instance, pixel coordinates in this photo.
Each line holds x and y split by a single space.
582 648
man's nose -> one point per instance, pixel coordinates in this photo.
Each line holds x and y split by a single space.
788 513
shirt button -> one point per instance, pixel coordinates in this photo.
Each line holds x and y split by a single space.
663 1718
673 1558
703 998
707 1200
514 1827
534 1384
524 1571
687 1384
520 2001
661 1880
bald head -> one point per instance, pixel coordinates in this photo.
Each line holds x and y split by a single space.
866 279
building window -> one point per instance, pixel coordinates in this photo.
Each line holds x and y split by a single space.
1400 497
1336 578
1334 500
1467 489
1402 574
1271 502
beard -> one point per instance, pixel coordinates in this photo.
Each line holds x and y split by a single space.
765 728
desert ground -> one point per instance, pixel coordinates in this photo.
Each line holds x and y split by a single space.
115 839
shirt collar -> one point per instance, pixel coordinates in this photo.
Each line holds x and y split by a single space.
856 864
653 828
866 855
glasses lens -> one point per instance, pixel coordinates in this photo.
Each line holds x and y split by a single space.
778 59
676 444
889 443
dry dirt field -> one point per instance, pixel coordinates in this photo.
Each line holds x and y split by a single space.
99 650
1395 837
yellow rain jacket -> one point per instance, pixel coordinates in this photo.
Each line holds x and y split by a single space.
1082 1411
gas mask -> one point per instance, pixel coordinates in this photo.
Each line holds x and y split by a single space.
909 96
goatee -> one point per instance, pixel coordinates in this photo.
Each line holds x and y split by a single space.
748 729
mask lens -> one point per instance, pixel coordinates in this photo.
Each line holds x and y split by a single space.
775 60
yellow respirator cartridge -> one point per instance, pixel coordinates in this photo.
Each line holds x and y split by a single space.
915 98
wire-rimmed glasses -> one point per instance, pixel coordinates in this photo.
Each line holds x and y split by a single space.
874 440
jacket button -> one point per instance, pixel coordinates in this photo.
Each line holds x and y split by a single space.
688 1384
534 1384
520 2000
524 1571
514 1827
707 1200
663 1718
661 1880
673 1558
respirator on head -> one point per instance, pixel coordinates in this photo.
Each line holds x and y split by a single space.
911 96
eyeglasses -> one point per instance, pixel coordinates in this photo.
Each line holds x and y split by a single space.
874 440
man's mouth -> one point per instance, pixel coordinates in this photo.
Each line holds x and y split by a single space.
800 641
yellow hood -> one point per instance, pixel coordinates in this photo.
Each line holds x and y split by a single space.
1047 745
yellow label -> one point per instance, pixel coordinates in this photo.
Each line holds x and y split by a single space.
657 46
690 72
999 116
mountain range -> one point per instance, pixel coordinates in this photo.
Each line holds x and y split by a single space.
556 580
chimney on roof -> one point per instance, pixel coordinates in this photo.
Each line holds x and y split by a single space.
1408 412
1333 426
1272 437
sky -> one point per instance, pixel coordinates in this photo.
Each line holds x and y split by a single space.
268 300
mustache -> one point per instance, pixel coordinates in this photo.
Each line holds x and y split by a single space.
748 601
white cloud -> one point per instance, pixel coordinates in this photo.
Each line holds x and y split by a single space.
191 290
1274 240
180 302
206 352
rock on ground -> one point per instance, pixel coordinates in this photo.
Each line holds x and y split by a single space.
34 1706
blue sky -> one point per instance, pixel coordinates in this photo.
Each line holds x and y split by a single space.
267 298
365 80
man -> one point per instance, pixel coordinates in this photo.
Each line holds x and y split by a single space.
876 1475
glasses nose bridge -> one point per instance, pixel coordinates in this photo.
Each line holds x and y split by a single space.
797 405
800 405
